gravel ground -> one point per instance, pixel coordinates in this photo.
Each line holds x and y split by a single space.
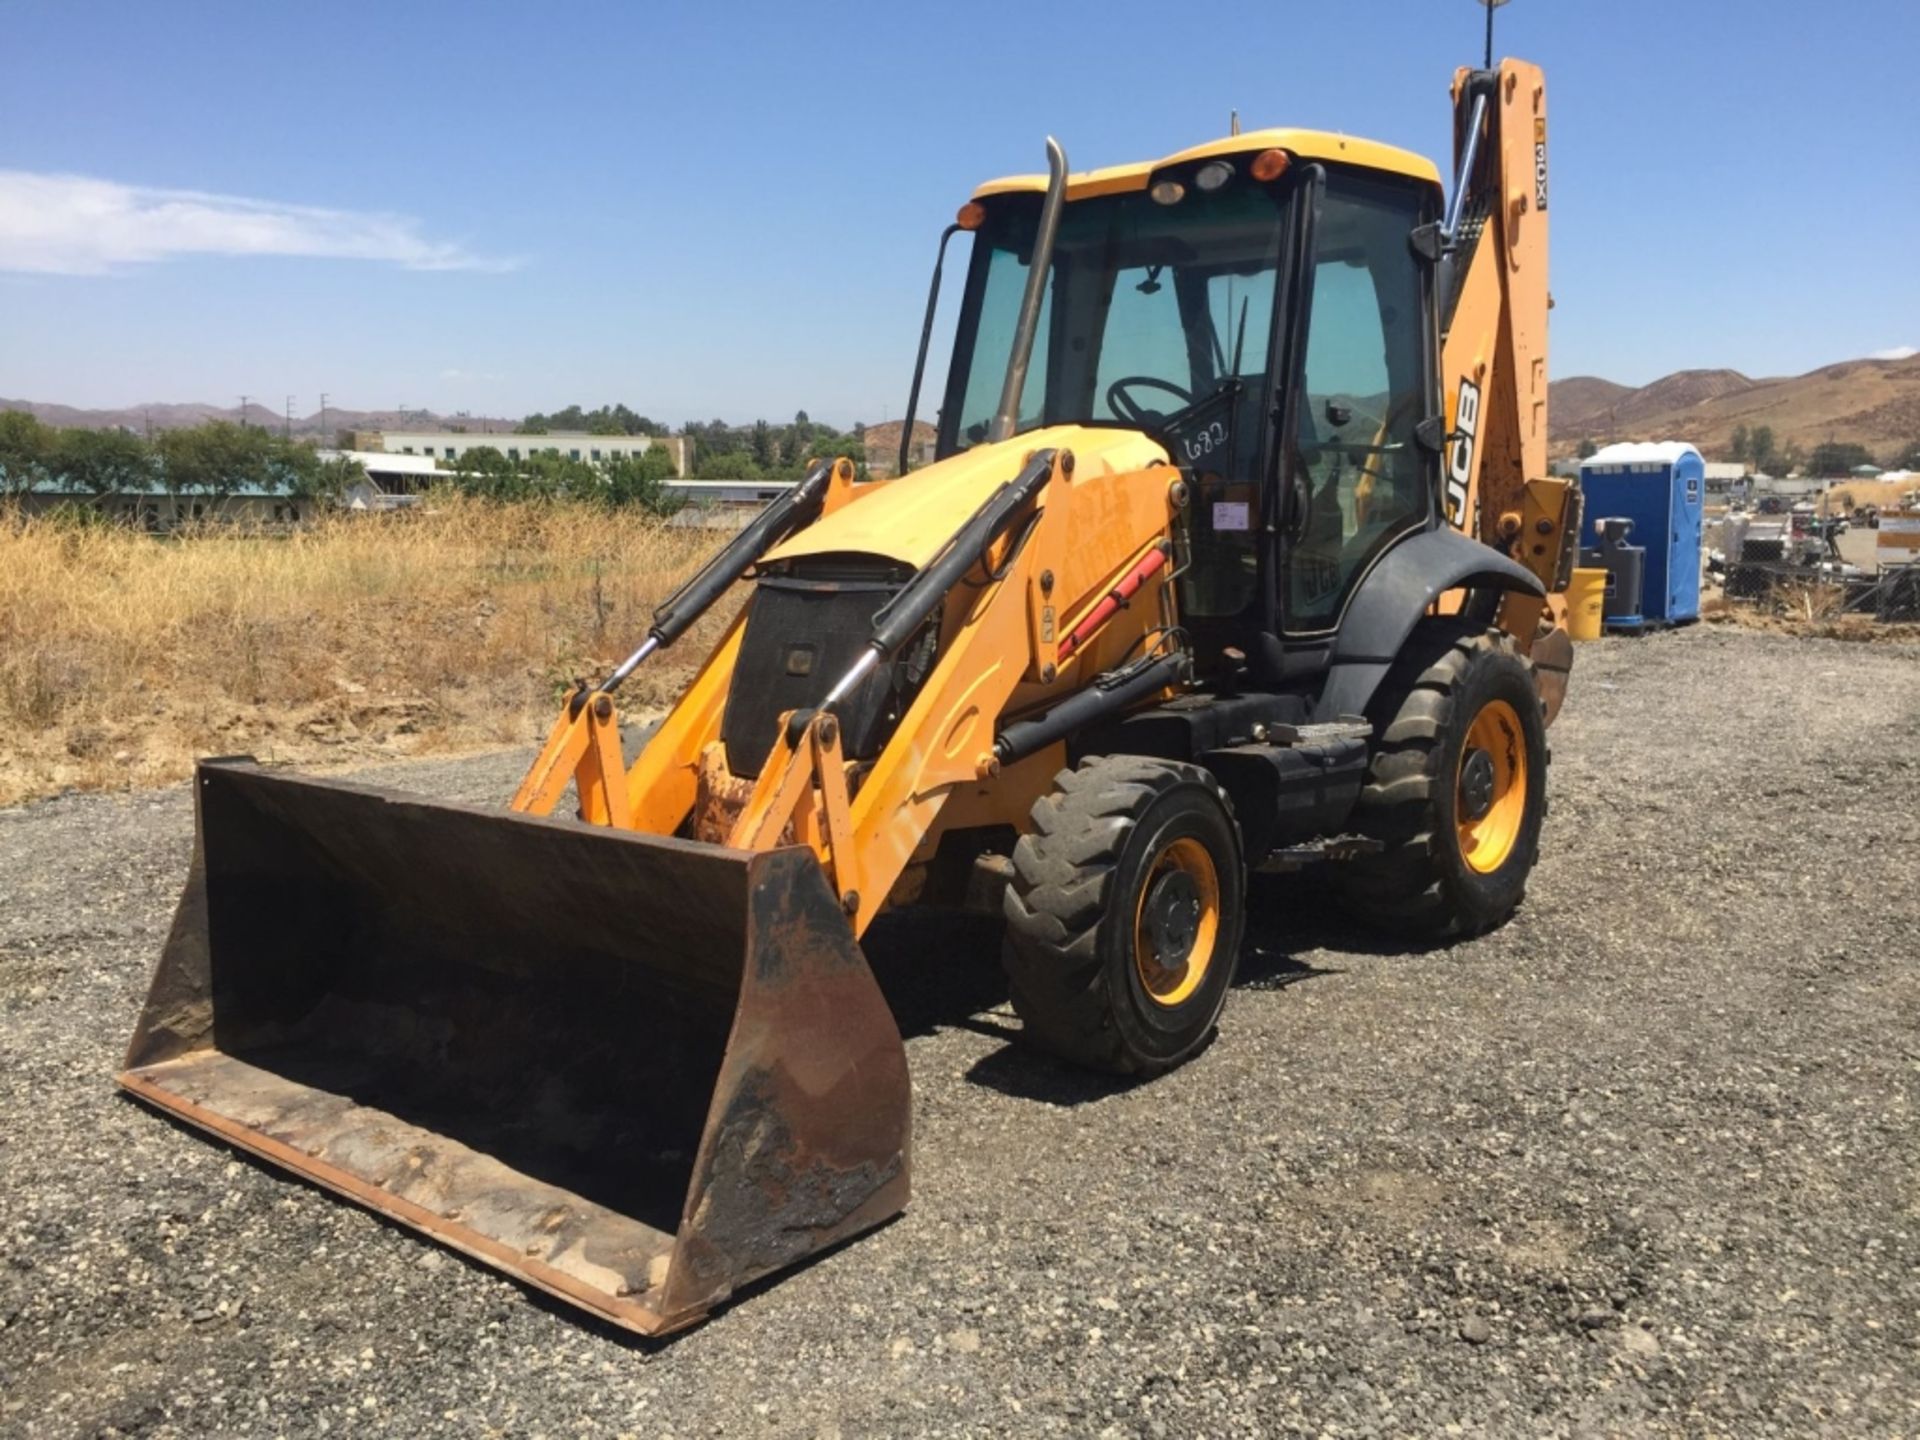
1643 1161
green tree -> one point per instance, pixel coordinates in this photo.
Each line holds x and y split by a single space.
1907 458
27 450
1838 457
218 459
640 481
1587 447
1760 447
330 480
561 477
292 467
635 424
763 455
104 462
484 472
727 465
532 425
1737 446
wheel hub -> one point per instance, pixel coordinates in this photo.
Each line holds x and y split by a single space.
1476 784
1172 917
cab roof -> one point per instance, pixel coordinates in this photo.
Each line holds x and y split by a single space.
1306 144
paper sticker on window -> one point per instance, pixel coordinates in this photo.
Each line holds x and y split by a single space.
1231 515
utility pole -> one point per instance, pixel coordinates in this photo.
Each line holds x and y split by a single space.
289 430
243 411
324 433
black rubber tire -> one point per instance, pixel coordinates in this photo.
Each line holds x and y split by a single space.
1069 951
1420 885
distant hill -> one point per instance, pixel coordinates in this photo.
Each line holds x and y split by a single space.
178 416
1875 403
1581 396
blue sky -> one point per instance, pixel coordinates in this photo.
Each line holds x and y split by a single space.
731 209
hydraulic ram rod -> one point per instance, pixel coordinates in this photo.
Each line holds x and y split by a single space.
797 507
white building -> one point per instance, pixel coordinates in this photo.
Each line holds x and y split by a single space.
574 444
393 481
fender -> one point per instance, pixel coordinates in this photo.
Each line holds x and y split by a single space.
1396 593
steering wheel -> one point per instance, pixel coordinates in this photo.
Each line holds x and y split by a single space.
1130 410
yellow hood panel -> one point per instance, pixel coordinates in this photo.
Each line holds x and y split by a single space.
910 518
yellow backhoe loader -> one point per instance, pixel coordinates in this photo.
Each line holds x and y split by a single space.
1239 554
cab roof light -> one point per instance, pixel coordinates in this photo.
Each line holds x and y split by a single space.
1214 175
1269 165
972 215
1167 192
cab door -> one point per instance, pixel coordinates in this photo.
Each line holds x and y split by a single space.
1353 477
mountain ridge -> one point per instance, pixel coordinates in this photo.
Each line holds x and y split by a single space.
1875 403
174 415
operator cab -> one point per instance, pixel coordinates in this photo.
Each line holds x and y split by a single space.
1256 307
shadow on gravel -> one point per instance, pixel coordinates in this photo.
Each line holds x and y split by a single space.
1293 913
938 970
1027 1074
941 971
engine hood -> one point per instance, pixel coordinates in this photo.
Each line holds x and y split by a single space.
910 518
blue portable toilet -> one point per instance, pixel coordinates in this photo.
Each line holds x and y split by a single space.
1660 487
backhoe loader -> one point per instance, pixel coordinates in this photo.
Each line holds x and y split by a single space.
1238 554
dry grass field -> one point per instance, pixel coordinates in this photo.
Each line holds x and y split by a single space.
123 655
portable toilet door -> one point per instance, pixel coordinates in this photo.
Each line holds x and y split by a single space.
1682 580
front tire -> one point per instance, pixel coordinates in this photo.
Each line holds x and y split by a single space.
1125 914
1456 790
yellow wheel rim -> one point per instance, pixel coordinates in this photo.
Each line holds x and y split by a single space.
1490 787
1176 922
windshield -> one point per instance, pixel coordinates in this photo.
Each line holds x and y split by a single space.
1151 309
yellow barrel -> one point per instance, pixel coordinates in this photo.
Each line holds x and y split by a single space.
1586 594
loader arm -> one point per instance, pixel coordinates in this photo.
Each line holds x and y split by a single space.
1024 597
1492 283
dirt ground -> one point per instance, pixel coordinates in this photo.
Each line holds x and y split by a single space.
1644 1161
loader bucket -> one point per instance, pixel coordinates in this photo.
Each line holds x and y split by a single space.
635 1072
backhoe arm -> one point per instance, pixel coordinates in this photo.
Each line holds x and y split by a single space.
1492 280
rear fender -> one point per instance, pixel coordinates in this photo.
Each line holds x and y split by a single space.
1396 593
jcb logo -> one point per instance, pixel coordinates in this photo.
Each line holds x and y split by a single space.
1466 426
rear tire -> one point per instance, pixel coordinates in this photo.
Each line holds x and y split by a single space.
1456 789
1125 914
